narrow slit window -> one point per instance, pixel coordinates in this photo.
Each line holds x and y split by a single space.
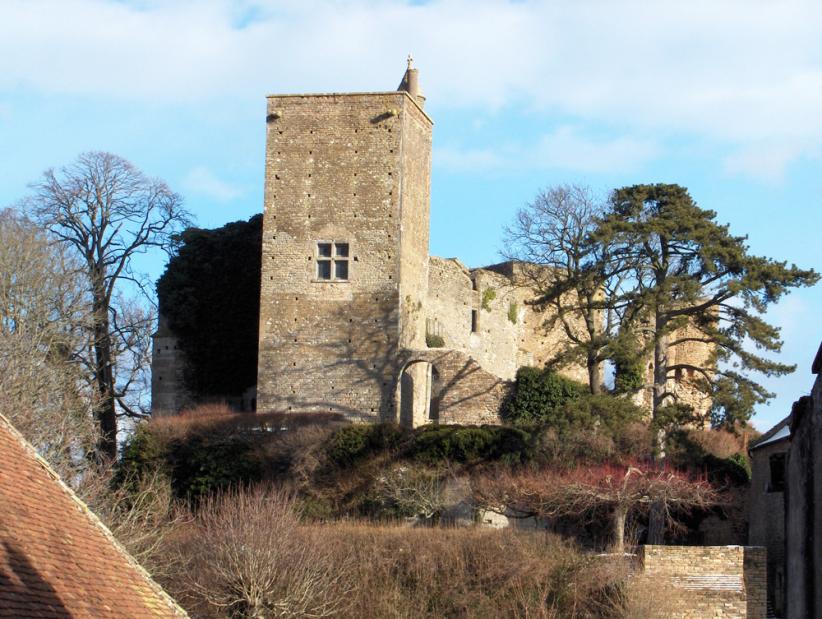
474 325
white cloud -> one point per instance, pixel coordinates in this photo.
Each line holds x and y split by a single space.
201 181
739 72
766 162
565 148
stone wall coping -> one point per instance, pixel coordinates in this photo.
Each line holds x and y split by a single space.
352 94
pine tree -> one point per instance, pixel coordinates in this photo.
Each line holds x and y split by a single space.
687 269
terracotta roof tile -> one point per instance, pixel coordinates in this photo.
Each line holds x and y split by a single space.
56 558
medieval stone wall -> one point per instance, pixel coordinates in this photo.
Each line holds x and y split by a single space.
700 582
509 333
168 392
337 170
456 389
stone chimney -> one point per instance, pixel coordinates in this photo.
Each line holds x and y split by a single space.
411 83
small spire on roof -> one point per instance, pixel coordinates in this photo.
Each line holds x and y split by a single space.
410 82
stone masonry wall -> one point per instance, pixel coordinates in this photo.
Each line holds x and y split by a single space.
803 504
706 582
335 173
510 331
168 392
766 526
463 392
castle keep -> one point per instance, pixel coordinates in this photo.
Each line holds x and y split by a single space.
355 316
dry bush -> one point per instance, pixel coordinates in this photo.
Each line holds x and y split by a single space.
721 443
248 557
414 491
468 572
140 513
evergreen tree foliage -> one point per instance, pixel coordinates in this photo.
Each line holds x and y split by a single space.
539 395
210 295
687 269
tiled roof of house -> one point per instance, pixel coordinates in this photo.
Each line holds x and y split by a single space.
56 558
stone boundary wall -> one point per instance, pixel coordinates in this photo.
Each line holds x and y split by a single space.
716 582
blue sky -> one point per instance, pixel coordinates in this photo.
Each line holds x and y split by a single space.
723 97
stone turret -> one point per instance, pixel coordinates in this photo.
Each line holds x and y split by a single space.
411 83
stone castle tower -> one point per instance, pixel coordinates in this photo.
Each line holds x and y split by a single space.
345 248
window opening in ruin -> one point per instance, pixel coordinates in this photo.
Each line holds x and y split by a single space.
777 466
332 261
474 325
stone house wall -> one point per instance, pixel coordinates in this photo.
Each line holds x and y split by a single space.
701 582
766 518
456 389
803 504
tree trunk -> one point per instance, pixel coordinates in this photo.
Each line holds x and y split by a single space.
660 370
656 524
105 410
619 517
594 382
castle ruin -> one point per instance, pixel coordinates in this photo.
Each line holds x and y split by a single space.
355 316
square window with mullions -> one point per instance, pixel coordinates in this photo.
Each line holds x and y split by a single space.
332 261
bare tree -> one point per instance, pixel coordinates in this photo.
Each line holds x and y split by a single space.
140 512
250 558
579 281
44 324
622 490
418 492
108 212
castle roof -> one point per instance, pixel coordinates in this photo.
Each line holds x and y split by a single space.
56 558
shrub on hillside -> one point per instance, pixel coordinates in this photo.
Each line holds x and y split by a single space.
539 394
352 443
710 451
210 448
249 556
471 444
607 414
